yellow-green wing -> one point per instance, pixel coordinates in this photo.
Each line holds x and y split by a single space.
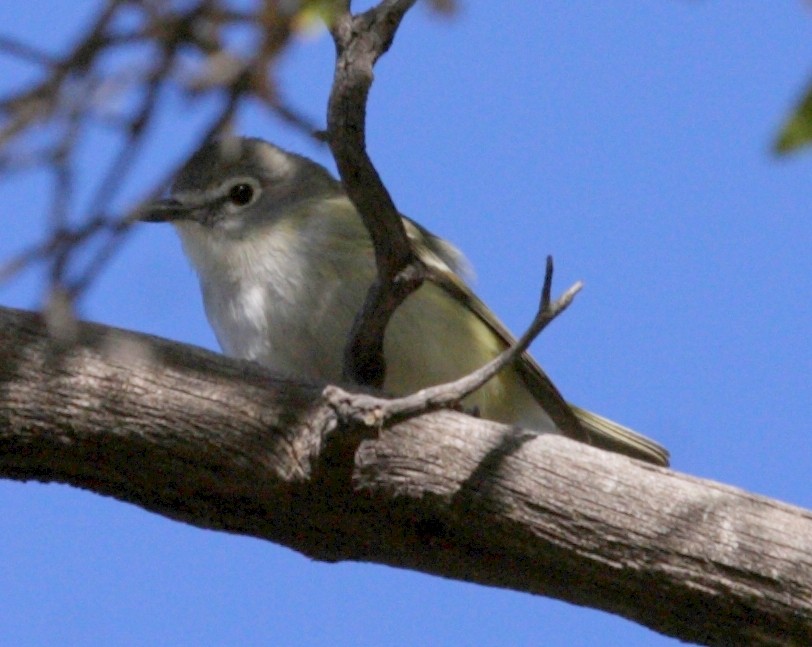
443 262
617 438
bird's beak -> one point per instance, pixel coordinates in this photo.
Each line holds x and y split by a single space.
166 210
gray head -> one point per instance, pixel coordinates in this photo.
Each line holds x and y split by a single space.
234 184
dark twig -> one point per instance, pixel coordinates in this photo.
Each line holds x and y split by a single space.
136 129
44 250
119 228
374 412
360 41
21 50
445 395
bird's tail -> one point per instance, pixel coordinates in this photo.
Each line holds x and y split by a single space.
616 438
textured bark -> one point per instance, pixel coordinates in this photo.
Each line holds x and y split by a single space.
223 444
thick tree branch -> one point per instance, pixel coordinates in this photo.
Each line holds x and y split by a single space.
221 444
360 40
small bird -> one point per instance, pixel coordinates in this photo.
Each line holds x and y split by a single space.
285 262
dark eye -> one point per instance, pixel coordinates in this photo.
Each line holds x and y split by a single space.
241 194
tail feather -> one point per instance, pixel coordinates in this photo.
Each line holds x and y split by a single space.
609 435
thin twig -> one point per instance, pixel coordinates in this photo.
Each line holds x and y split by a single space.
120 227
43 250
21 50
452 393
373 412
62 101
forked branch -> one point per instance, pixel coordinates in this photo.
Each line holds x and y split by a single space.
360 41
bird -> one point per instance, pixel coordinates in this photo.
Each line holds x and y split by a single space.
284 262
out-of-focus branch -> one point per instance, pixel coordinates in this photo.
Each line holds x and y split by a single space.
168 46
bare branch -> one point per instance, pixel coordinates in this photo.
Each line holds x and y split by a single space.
449 394
122 225
360 40
21 50
373 412
77 89
222 444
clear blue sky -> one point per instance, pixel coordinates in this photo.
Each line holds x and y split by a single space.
631 141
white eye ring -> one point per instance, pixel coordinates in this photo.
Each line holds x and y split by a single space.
240 192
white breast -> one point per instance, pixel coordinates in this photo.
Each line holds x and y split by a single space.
286 297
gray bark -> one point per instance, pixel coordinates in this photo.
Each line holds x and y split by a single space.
223 444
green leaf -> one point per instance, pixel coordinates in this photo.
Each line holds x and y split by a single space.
797 131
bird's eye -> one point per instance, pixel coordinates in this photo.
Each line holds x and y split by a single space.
241 194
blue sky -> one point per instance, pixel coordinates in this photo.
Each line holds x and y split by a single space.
629 140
